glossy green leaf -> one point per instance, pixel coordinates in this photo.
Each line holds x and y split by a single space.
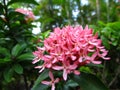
17 49
85 69
45 34
17 16
72 83
4 51
23 1
8 73
26 56
95 65
5 60
114 25
105 42
18 68
89 82
38 85
66 85
106 31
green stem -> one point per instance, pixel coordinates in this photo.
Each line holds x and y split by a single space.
6 14
25 81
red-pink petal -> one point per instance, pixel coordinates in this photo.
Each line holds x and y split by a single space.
76 72
46 82
91 50
51 75
39 67
106 58
73 57
35 60
42 69
65 74
80 59
53 87
72 67
54 60
57 80
49 65
96 62
57 67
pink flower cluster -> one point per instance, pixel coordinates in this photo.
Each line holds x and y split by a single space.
68 49
29 14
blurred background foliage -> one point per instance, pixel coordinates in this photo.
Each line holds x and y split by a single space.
17 40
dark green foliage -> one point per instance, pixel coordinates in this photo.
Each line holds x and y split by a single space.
38 84
110 35
84 81
89 81
16 47
23 1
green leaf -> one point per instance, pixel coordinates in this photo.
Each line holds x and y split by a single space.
17 16
45 34
1 9
38 85
114 25
101 23
72 83
41 87
5 60
26 56
18 68
17 49
95 65
8 73
4 51
106 31
85 69
105 42
89 82
23 1
58 2
114 43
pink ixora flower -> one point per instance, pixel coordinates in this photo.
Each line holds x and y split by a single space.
29 14
70 48
52 82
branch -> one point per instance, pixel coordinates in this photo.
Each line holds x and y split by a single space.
116 75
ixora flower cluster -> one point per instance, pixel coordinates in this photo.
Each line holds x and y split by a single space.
29 14
68 49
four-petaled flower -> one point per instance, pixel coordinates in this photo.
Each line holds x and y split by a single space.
52 82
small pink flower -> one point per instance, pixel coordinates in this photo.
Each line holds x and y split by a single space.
52 82
29 14
67 68
38 55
